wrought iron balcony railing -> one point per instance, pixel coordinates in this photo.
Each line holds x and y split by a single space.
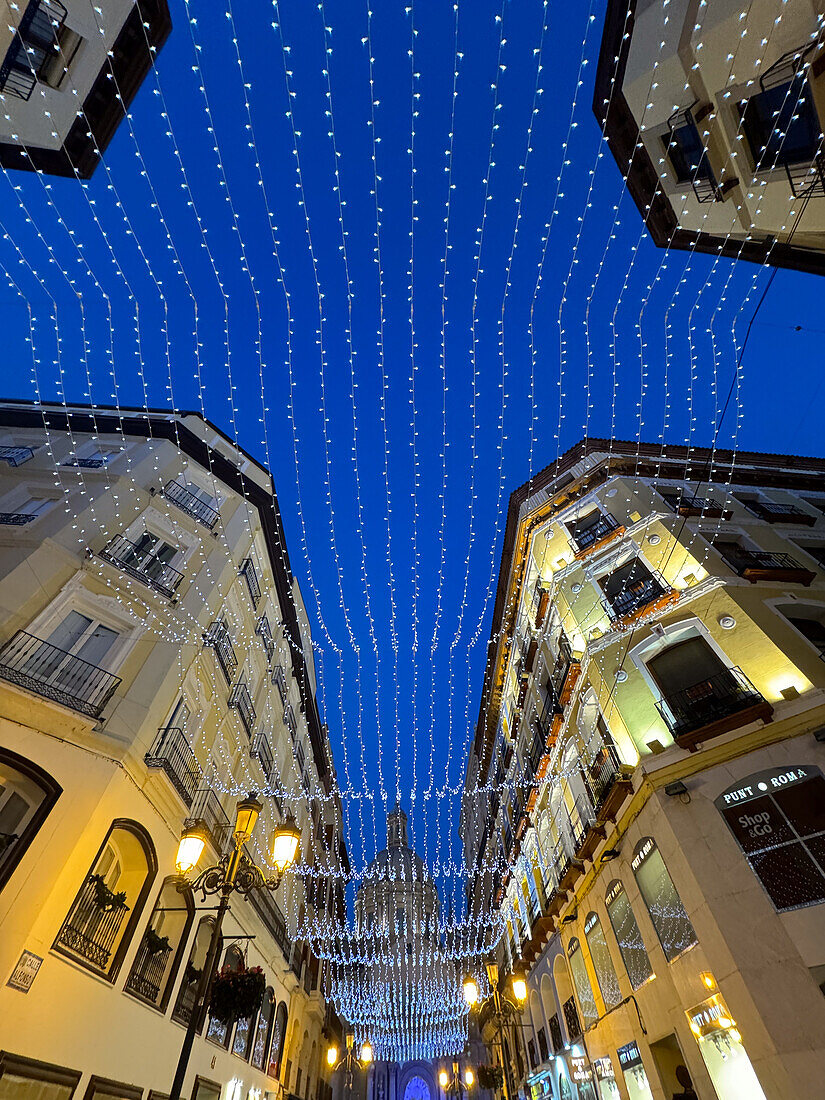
55 674
16 519
250 575
143 566
602 774
585 537
746 561
207 811
33 44
16 456
264 632
780 513
148 969
241 701
172 753
92 926
191 503
561 667
708 701
93 463
273 919
262 752
218 637
637 594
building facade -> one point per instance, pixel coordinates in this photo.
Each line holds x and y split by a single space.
714 116
68 73
155 665
644 797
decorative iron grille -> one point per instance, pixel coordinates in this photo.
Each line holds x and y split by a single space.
148 970
218 637
55 674
250 575
92 926
172 753
708 701
191 503
241 701
142 565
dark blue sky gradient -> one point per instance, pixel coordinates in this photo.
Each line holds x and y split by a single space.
601 316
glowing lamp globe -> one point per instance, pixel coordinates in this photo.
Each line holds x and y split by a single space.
519 989
285 841
443 1078
366 1053
190 850
470 990
469 1077
332 1055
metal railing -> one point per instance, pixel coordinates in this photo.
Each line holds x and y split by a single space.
17 519
191 503
702 178
34 43
218 637
208 811
148 969
250 575
585 537
88 463
241 701
142 565
602 774
262 752
770 510
708 701
264 632
561 667
807 179
279 680
91 928
743 559
172 753
55 674
272 918
638 593
16 456
571 1018
686 505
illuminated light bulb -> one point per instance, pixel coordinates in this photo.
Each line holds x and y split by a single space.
366 1053
443 1078
190 850
470 991
332 1055
469 1077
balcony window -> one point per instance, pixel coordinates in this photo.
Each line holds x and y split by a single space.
219 638
34 45
217 1031
208 811
809 620
101 920
253 586
158 955
701 696
263 1030
241 701
671 922
279 680
778 512
816 550
264 632
582 983
66 666
196 502
555 1034
631 587
24 509
276 1050
188 989
27 795
602 962
24 1077
758 565
688 157
262 752
592 528
16 456
147 560
173 754
685 504
94 456
781 125
628 936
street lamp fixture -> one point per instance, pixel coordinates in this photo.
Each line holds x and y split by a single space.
504 1010
234 872
350 1060
456 1085
470 990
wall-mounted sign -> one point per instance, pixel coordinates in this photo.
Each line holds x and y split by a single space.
709 1016
754 786
591 922
614 889
25 972
579 1069
629 1056
604 1069
644 851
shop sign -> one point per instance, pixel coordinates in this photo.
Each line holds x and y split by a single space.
591 921
629 1056
646 849
25 972
709 1016
614 889
761 783
580 1071
604 1069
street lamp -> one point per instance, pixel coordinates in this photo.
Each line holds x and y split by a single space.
350 1059
504 1010
455 1085
234 872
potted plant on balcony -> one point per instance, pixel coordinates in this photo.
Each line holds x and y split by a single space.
154 942
490 1077
237 994
105 898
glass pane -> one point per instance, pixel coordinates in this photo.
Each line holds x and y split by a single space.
98 644
583 988
70 631
669 918
603 964
684 665
629 939
13 1086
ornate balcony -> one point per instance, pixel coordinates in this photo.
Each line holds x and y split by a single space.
16 519
695 506
607 783
32 47
250 575
241 701
262 752
142 565
272 918
191 503
264 632
713 706
603 529
55 674
208 812
149 968
172 753
92 926
641 594
16 456
218 637
780 513
759 565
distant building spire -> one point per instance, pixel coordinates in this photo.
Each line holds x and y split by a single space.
397 828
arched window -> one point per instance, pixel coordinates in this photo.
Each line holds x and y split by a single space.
669 918
276 1050
188 989
159 952
263 1032
628 936
217 1031
565 997
102 919
246 1029
581 981
27 794
602 963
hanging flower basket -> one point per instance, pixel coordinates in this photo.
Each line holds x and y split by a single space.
490 1077
155 943
105 899
237 994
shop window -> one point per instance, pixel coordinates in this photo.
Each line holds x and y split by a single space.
103 915
778 818
217 1031
160 949
188 989
544 1052
581 981
663 903
633 1071
555 1034
809 620
25 1079
204 1089
608 1089
628 936
723 1053
602 962
27 795
99 1088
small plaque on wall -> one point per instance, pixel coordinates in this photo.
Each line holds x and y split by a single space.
25 972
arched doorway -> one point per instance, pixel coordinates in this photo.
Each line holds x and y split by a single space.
417 1089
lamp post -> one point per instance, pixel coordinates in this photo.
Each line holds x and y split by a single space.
234 872
455 1085
504 1010
349 1059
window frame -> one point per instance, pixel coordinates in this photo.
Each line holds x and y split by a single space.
51 792
670 956
46 1072
188 900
